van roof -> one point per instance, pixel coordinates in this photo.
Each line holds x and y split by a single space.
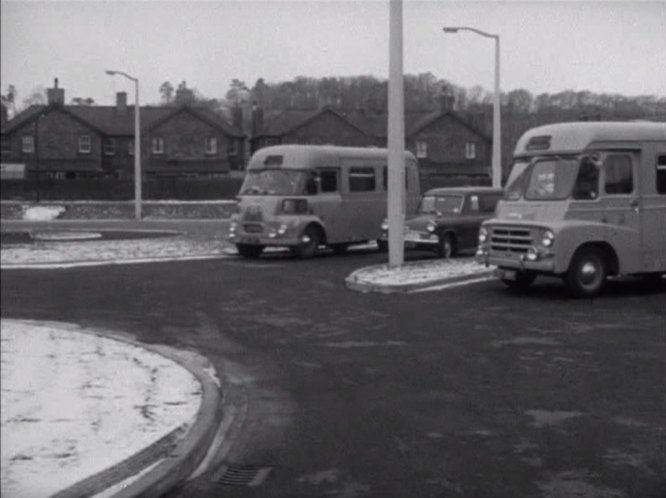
309 153
464 190
577 136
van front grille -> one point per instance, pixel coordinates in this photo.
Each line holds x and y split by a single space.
253 228
508 240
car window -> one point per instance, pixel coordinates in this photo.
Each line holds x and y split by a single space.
488 203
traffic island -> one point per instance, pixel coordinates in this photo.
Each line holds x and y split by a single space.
418 275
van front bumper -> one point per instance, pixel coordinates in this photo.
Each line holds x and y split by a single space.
264 240
545 264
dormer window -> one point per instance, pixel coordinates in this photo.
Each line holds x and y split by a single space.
28 144
158 145
85 144
421 149
109 147
470 150
211 145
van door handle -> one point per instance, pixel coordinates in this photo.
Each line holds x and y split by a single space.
635 205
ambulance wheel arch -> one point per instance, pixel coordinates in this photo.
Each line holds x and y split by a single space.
570 239
312 236
590 266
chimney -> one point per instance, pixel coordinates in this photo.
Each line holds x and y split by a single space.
121 101
446 99
237 117
55 95
184 96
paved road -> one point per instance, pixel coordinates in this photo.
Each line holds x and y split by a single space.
471 392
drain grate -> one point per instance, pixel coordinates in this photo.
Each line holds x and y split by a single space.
242 475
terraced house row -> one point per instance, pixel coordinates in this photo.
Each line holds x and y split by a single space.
60 141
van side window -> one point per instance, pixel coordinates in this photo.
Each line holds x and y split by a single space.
661 174
362 179
619 178
488 203
587 183
328 180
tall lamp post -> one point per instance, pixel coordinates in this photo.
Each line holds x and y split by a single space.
497 132
137 142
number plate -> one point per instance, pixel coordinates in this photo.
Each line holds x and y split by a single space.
250 240
507 274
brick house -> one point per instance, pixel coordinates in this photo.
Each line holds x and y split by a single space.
326 125
444 143
63 141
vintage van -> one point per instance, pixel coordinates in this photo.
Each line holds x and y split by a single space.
305 196
583 201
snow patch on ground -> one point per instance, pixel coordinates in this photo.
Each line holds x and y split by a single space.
418 272
75 403
43 213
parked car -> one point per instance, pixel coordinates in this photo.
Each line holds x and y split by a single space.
448 220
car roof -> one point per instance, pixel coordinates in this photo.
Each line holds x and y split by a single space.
463 190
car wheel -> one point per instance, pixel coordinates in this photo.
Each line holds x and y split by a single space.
249 251
522 281
310 240
587 273
382 245
446 248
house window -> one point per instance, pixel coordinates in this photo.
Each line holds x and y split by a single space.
470 150
158 145
211 145
130 147
5 145
28 144
661 174
421 149
619 178
85 144
361 179
109 147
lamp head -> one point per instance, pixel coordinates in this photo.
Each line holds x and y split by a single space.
450 30
110 73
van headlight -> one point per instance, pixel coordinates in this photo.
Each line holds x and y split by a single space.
431 227
385 225
547 239
483 235
233 226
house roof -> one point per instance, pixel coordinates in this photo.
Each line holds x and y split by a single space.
108 120
290 120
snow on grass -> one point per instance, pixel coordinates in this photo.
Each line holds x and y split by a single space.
43 213
418 272
108 250
74 404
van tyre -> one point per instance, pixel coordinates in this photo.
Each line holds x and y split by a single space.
382 245
522 281
446 247
340 249
310 241
249 250
587 273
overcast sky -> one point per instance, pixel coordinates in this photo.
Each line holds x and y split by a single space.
603 46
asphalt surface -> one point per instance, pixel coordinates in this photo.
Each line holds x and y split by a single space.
471 392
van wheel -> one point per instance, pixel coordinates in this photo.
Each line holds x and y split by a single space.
339 249
446 248
522 281
310 240
587 273
249 251
382 245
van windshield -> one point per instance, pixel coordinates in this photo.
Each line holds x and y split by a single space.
543 179
275 182
441 204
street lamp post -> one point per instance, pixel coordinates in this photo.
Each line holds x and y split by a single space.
497 131
137 142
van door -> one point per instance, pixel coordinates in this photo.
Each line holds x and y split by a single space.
363 203
621 201
326 204
653 210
